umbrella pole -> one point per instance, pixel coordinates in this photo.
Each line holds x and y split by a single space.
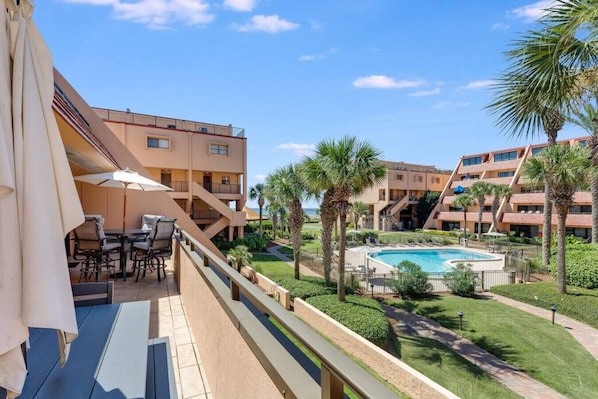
125 207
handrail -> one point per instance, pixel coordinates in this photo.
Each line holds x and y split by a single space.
337 368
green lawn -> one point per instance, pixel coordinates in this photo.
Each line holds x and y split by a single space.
546 352
579 303
450 370
270 264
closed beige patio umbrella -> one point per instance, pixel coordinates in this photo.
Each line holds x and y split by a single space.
39 203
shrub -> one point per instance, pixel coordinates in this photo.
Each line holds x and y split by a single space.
410 281
461 281
582 264
359 314
306 287
306 235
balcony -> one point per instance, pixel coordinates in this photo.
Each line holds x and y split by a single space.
214 188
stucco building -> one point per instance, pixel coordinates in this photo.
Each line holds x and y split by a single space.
205 164
522 213
393 203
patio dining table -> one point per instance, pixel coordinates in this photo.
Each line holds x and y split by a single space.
126 237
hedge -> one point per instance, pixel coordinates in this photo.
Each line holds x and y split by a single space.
362 315
581 262
307 287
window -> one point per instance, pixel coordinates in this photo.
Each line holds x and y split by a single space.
225 180
583 209
399 177
506 174
157 142
436 180
418 178
203 129
472 161
505 156
219 149
531 208
583 143
536 151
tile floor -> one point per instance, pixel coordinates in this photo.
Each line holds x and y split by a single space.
167 318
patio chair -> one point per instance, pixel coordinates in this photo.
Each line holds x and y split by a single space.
93 249
89 294
156 248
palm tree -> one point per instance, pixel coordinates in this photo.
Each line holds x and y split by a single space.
565 168
347 167
257 193
359 209
240 256
464 201
532 95
479 190
286 181
500 192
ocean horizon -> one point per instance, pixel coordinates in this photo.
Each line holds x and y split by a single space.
308 211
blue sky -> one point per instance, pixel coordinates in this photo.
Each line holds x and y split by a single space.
412 77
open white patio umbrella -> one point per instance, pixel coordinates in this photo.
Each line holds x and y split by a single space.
126 179
39 203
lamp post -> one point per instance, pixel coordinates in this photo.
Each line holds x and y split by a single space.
460 314
372 287
553 308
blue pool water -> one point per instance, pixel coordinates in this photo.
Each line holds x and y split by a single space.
430 260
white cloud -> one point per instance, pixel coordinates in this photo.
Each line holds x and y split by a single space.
480 84
425 93
157 14
267 23
384 82
533 11
240 5
260 178
298 149
315 57
500 26
451 105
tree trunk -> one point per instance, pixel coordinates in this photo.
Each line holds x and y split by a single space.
260 203
327 217
494 210
274 225
547 227
465 228
561 276
342 213
594 183
480 214
295 224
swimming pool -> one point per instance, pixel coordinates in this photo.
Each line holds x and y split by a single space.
430 260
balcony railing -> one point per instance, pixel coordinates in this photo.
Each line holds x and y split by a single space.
230 318
214 188
205 214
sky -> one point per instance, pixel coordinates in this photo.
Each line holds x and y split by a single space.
411 77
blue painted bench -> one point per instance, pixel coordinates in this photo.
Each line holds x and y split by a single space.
160 383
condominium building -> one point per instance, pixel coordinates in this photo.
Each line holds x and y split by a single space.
393 204
522 213
205 164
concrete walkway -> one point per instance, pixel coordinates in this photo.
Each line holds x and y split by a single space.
518 382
